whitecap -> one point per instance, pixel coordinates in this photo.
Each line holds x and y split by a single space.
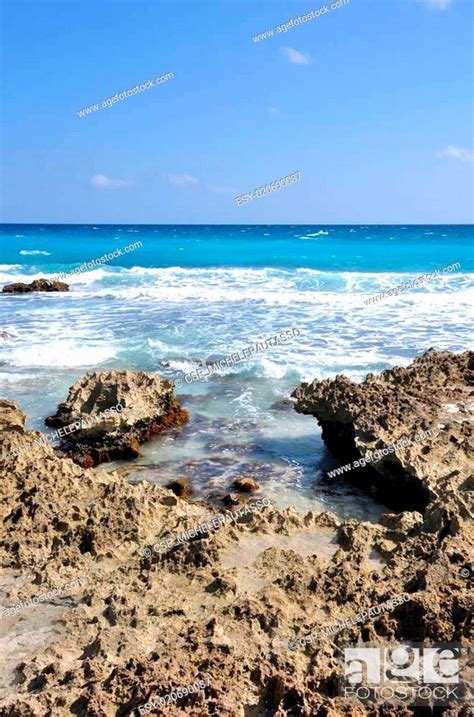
182 365
157 344
272 369
85 277
277 286
34 252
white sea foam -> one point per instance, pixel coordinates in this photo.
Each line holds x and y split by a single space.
342 289
178 284
157 344
17 377
182 365
57 354
223 310
273 369
86 277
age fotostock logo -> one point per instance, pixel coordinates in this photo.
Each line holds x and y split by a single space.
412 675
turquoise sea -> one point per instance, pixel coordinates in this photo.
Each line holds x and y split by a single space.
191 294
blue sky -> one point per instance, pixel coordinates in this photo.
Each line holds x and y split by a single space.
371 102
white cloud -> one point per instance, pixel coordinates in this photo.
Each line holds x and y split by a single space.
103 182
438 4
463 155
296 57
181 180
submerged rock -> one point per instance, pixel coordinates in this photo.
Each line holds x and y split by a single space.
284 404
414 420
180 487
233 499
246 485
36 285
110 413
5 335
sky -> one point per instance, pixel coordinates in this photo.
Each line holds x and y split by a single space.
371 102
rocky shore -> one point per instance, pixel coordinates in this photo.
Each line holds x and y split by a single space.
228 605
434 395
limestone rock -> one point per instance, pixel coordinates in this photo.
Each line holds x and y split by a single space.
164 604
433 394
113 412
12 417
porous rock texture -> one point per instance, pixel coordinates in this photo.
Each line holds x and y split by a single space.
37 285
222 604
12 418
122 409
435 393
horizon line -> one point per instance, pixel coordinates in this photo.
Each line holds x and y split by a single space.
289 224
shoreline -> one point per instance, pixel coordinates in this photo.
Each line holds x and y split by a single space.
91 524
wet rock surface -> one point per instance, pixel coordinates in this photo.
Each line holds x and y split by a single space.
245 485
222 604
113 412
36 285
180 487
435 393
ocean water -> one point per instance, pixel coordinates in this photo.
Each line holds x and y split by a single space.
193 294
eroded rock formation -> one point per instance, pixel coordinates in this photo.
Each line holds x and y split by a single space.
223 603
12 418
435 394
113 412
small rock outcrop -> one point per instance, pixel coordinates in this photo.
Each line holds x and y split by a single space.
108 414
36 285
12 417
233 499
432 395
246 485
180 487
